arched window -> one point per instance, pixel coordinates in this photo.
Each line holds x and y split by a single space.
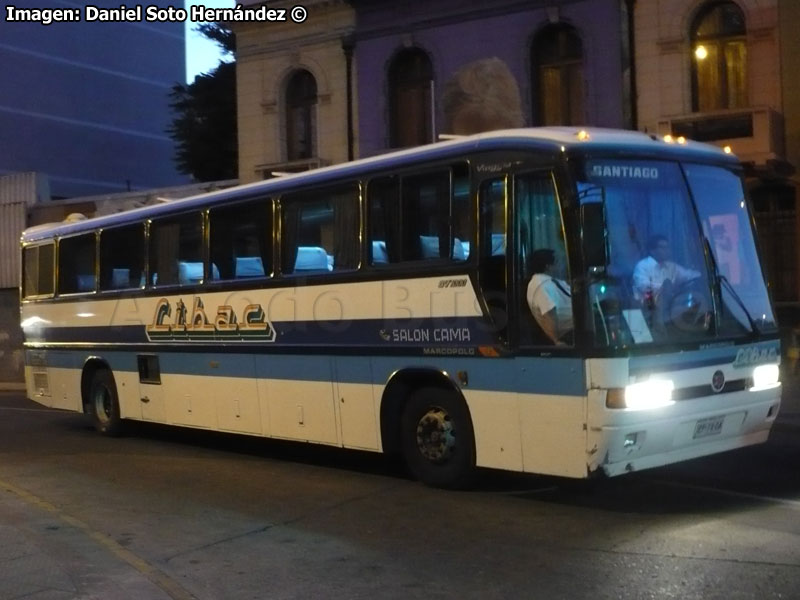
557 76
719 57
301 116
410 99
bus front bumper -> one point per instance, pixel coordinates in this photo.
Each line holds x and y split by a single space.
687 430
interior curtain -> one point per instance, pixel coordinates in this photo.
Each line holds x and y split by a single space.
346 226
539 218
735 66
384 198
164 257
290 231
709 90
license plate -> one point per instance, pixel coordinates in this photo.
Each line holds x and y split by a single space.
707 427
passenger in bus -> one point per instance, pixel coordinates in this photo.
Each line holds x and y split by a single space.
655 273
549 298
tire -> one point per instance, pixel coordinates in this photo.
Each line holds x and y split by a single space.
437 438
103 404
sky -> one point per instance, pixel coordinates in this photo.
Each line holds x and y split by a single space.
202 55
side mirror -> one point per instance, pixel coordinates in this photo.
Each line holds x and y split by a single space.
593 236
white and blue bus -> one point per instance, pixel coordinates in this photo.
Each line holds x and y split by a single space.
382 305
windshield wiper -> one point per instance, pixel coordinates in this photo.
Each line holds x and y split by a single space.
719 277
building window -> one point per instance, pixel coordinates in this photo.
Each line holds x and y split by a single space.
719 58
301 116
557 74
410 99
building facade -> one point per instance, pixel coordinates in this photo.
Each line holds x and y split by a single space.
87 103
789 24
569 61
295 91
362 77
710 70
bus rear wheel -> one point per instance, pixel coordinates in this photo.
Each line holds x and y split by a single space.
437 438
104 403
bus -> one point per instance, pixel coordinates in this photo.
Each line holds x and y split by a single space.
383 305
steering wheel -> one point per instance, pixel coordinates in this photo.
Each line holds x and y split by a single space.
685 307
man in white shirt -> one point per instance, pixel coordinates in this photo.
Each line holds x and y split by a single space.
549 298
654 271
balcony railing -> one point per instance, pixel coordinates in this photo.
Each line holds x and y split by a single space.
754 134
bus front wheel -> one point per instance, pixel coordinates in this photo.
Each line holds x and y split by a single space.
104 403
437 438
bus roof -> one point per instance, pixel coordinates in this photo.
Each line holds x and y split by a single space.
554 139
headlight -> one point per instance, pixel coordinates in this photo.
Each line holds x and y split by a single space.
765 377
644 395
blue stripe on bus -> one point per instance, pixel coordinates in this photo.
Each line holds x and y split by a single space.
427 332
527 375
707 357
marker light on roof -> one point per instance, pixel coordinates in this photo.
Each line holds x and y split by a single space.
727 150
583 135
681 140
668 138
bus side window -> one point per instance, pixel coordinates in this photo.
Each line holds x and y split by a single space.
76 264
38 263
320 231
383 201
122 257
425 214
410 217
241 240
176 241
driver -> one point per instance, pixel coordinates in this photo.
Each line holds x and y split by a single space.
549 299
655 271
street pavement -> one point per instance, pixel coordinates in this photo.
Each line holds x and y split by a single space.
46 554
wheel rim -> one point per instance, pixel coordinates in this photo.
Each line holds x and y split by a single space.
436 436
102 404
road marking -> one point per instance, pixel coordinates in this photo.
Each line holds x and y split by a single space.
703 488
171 587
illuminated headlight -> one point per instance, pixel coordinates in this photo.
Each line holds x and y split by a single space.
644 395
765 377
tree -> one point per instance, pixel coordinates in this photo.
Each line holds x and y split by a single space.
204 127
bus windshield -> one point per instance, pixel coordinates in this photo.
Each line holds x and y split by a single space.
682 263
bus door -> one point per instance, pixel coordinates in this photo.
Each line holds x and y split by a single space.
541 289
549 380
493 274
151 392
